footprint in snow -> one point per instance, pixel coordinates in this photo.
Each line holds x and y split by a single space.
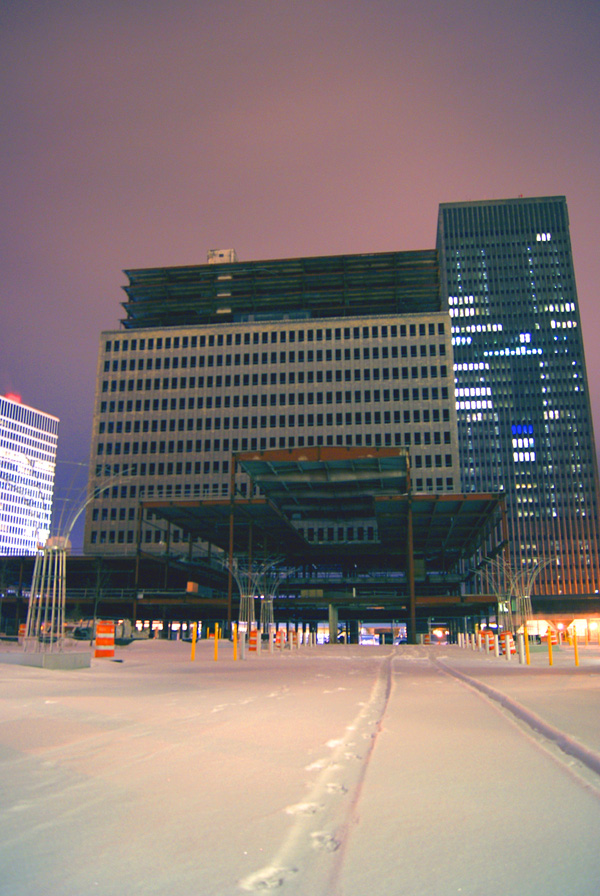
334 787
303 809
323 841
317 765
267 879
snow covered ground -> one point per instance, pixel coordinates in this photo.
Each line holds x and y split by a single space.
325 771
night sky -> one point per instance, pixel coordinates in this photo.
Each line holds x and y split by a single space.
141 134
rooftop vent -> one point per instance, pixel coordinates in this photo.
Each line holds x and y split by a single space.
221 256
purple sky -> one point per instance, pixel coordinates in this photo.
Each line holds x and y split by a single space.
138 134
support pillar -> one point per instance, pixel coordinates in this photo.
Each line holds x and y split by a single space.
333 624
231 533
412 622
167 552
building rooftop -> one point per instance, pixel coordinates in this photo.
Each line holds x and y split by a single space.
294 288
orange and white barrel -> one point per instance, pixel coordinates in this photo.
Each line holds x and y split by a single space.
105 640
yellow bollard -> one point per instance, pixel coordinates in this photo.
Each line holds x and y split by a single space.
550 660
216 642
235 641
194 630
527 654
576 648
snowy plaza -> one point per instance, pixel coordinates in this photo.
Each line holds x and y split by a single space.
329 770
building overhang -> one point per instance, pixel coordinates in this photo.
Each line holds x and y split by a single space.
362 490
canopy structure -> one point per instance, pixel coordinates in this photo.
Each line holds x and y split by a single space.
330 506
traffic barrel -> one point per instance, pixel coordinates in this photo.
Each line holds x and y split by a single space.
105 640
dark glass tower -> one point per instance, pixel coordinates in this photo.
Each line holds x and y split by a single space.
524 418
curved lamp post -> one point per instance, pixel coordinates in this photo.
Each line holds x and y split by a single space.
45 626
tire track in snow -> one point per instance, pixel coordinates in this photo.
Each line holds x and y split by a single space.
566 744
311 854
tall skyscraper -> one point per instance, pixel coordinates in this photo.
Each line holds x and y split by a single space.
28 441
523 410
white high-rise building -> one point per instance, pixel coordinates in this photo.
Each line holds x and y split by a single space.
28 442
216 359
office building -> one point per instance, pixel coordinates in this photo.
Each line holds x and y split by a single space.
523 409
28 441
233 357
470 356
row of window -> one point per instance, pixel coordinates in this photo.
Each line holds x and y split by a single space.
257 337
283 357
165 404
158 384
190 446
368 397
27 435
290 421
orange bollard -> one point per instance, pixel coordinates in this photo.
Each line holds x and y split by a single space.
194 629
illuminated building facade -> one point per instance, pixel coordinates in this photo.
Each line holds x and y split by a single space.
234 356
523 410
28 442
